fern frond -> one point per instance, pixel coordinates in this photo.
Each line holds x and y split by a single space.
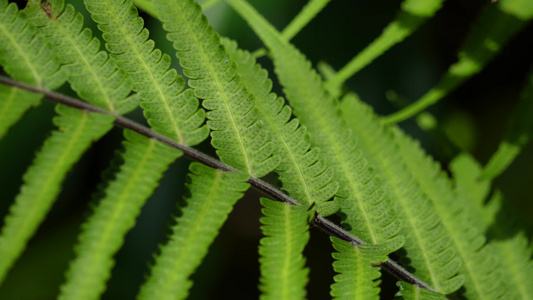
286 232
412 15
42 181
358 268
517 136
511 245
428 245
212 196
169 109
507 240
90 72
368 212
145 160
468 187
482 278
411 292
26 57
304 176
497 23
232 116
13 104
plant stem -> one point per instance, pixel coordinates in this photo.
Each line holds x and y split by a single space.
326 225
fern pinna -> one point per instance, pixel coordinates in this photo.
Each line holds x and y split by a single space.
331 154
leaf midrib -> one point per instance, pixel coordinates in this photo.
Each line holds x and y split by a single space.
221 92
148 71
88 66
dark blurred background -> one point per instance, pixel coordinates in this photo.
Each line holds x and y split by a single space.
475 116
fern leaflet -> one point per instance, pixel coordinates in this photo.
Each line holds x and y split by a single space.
468 187
89 71
508 243
413 13
232 117
13 104
496 24
482 279
42 181
368 213
169 109
212 196
286 232
428 244
358 268
303 174
102 235
26 57
512 246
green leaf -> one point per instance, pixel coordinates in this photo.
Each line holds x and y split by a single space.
496 24
26 57
232 117
507 241
368 212
13 104
358 268
513 248
102 235
468 187
90 72
421 224
212 196
169 109
286 233
411 292
303 174
482 277
412 15
42 181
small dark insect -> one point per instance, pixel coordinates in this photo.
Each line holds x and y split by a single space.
47 8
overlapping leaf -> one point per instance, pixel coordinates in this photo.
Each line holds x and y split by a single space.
428 244
212 196
507 241
482 277
368 212
232 117
169 109
302 173
145 160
